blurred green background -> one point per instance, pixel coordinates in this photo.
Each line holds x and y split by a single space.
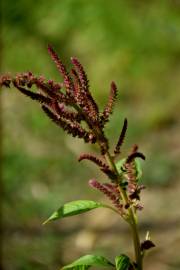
136 44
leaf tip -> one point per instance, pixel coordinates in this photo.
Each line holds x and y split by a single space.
45 222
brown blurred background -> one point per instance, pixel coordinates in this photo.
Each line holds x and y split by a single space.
136 44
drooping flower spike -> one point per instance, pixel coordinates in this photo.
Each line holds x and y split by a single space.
101 164
109 193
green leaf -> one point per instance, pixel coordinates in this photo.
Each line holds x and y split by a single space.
87 261
138 169
119 165
74 208
122 262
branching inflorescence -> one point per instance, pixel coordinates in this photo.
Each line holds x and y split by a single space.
68 105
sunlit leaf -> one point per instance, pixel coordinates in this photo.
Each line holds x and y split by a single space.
87 261
74 208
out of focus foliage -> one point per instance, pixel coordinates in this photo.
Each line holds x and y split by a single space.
136 44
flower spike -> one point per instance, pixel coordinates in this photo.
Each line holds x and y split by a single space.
32 95
121 137
109 107
103 166
82 74
63 112
131 157
84 84
71 128
62 69
93 158
102 188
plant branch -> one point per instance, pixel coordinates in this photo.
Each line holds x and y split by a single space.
132 219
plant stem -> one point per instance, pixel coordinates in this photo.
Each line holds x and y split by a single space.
136 240
132 220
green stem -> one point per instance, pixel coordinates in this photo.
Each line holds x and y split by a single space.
136 240
131 216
